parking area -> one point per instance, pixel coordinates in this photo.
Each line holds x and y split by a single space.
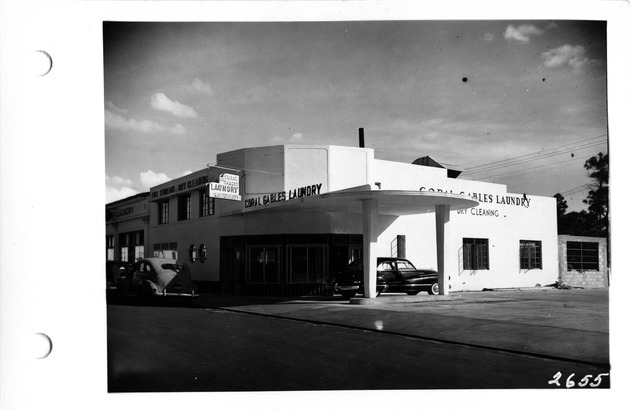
571 325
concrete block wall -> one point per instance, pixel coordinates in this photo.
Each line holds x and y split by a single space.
588 278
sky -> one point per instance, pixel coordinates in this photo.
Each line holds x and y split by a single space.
469 93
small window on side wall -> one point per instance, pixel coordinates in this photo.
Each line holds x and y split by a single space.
192 253
202 253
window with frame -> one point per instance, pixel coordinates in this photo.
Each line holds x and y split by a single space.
163 212
475 254
583 255
531 254
183 207
206 204
138 245
110 247
264 264
307 263
165 250
123 239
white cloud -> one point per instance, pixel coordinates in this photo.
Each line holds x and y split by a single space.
113 194
117 121
115 180
489 37
573 56
522 33
200 87
111 107
149 179
160 102
118 188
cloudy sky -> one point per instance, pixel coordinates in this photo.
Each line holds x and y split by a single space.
472 93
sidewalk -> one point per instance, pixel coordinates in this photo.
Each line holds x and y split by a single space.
570 325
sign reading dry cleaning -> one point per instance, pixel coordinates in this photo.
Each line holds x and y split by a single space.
226 188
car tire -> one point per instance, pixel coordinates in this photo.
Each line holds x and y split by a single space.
348 294
434 289
413 292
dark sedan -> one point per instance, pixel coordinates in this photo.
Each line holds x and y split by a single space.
395 275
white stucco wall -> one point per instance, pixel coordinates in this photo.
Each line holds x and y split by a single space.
501 217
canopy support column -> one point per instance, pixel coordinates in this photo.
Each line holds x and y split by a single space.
370 239
442 214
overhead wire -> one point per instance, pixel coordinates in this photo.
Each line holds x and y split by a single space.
548 166
537 156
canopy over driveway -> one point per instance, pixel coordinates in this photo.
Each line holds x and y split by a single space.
374 202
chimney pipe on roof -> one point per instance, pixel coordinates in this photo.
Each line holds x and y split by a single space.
361 138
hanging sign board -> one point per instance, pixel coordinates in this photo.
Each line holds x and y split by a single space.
226 188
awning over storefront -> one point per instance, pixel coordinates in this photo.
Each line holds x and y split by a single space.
390 202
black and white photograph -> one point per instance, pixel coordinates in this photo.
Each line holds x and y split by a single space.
356 205
313 204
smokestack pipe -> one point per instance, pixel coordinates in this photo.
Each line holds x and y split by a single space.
361 138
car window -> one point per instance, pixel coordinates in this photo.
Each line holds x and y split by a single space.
385 266
405 265
175 267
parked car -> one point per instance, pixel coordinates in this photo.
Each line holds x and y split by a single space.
160 277
114 271
395 275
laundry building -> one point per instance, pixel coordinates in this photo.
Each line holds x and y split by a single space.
283 220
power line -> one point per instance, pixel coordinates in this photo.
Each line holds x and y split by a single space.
537 169
536 156
575 190
599 138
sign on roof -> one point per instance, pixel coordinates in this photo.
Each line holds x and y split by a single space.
226 188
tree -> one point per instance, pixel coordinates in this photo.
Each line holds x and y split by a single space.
561 205
597 199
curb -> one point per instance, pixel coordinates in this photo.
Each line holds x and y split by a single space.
402 299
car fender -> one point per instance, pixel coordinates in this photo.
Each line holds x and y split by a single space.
149 288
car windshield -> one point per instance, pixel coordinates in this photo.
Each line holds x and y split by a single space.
405 265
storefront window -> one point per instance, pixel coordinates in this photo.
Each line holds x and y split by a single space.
165 250
475 254
531 254
307 264
110 247
123 239
583 255
264 264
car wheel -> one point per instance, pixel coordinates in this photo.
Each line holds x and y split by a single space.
413 292
435 289
348 295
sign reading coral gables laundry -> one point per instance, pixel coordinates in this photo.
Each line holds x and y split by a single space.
226 188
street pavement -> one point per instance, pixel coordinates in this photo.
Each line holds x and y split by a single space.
563 324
